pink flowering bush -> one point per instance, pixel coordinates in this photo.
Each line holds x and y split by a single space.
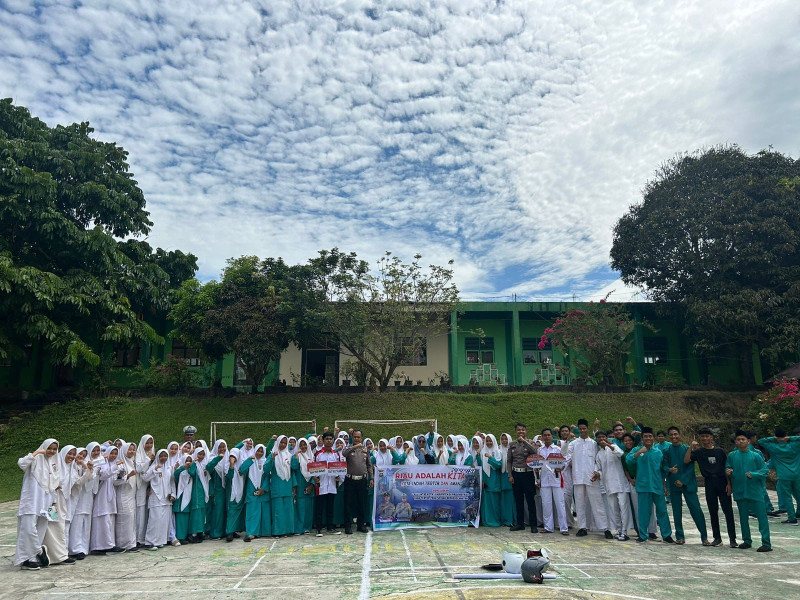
779 406
174 374
597 340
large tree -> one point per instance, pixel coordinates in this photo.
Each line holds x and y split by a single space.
67 280
383 318
717 235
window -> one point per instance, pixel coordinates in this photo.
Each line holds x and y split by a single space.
655 350
479 350
414 357
531 355
240 376
126 357
188 354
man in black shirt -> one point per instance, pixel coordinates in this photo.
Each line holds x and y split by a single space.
712 459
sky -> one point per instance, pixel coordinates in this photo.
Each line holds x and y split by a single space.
508 136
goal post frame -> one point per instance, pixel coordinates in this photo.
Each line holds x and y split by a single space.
213 432
387 422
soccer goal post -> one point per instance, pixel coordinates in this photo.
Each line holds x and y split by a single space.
388 422
248 426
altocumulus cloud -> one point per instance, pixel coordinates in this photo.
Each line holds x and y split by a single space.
507 135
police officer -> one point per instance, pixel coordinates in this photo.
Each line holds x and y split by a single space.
359 476
188 433
521 477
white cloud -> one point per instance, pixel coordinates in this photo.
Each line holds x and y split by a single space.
509 136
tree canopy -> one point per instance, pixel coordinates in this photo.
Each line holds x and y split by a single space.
718 235
67 278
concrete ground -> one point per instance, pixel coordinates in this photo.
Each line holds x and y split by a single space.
416 564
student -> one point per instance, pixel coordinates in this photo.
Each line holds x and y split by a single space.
682 485
338 501
522 478
144 458
618 432
41 477
70 476
630 475
609 463
784 452
125 523
507 506
747 471
174 461
217 469
662 443
475 450
257 513
383 455
492 467
162 493
198 505
234 492
421 451
181 506
439 451
412 458
648 460
459 457
282 489
550 486
304 486
396 448
586 482
326 487
104 509
711 460
565 435
82 500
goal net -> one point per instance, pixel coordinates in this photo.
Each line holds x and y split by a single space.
387 428
261 431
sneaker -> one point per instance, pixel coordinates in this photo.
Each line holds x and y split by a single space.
534 530
117 549
652 536
44 560
30 565
764 549
774 514
733 544
229 537
581 532
98 552
319 533
132 550
66 561
744 546
641 540
516 528
176 543
788 522
716 542
668 540
334 532
622 537
608 535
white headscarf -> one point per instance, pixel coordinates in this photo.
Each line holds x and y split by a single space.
256 470
221 468
237 482
142 457
383 459
47 471
494 452
450 443
473 452
371 452
303 458
244 453
442 460
411 457
202 474
393 443
461 456
292 448
174 461
161 486
504 451
130 465
283 459
185 486
68 471
96 463
113 468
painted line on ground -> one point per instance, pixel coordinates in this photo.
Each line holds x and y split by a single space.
152 592
253 568
366 564
408 554
584 573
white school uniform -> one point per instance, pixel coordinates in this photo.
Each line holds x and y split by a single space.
104 509
162 485
588 497
82 500
609 463
552 491
40 479
142 462
125 526
566 476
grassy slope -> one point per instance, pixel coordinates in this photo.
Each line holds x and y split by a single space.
79 422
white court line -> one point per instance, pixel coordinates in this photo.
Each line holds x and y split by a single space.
152 592
408 554
258 562
366 563
584 573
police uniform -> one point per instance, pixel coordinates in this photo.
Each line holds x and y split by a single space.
524 485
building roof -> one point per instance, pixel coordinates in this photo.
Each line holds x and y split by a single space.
792 372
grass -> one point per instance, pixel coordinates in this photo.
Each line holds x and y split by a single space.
81 421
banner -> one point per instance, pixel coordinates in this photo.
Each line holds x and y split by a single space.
418 496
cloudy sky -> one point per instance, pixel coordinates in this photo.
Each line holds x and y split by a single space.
508 135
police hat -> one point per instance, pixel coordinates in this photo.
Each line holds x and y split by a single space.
190 430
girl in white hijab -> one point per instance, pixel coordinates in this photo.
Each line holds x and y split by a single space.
104 509
451 444
174 460
439 450
304 487
184 486
508 509
475 451
144 457
459 457
81 510
247 450
159 476
383 455
58 531
234 492
411 457
491 479
41 478
125 526
217 467
258 518
281 489
198 509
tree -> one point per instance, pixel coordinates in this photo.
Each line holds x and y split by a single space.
597 340
717 235
66 279
382 319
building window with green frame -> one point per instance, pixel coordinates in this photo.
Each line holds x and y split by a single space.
479 350
655 350
126 356
188 354
532 355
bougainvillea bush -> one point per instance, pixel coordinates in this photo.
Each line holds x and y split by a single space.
779 406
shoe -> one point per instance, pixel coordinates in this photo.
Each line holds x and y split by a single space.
98 552
362 529
30 565
236 535
565 533
546 531
176 543
334 531
79 556
249 538
608 535
581 532
733 544
774 513
744 546
788 522
668 540
516 528
66 561
716 542
319 533
622 537
652 536
44 560
132 550
348 531
116 550
534 530
150 547
641 540
229 538
764 549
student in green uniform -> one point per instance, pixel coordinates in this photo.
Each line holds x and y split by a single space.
396 448
662 443
257 514
492 475
198 505
304 485
682 486
784 452
648 460
508 509
234 494
748 471
183 498
216 469
474 459
282 489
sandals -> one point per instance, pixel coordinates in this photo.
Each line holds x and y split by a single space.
706 543
680 542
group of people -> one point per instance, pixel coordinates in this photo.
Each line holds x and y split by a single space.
120 496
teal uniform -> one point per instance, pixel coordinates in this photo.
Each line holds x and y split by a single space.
636 432
749 491
181 515
281 496
663 447
197 505
216 501
650 488
234 512
767 502
490 501
305 501
508 508
257 509
785 459
398 458
673 456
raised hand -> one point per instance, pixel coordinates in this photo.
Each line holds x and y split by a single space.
695 444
